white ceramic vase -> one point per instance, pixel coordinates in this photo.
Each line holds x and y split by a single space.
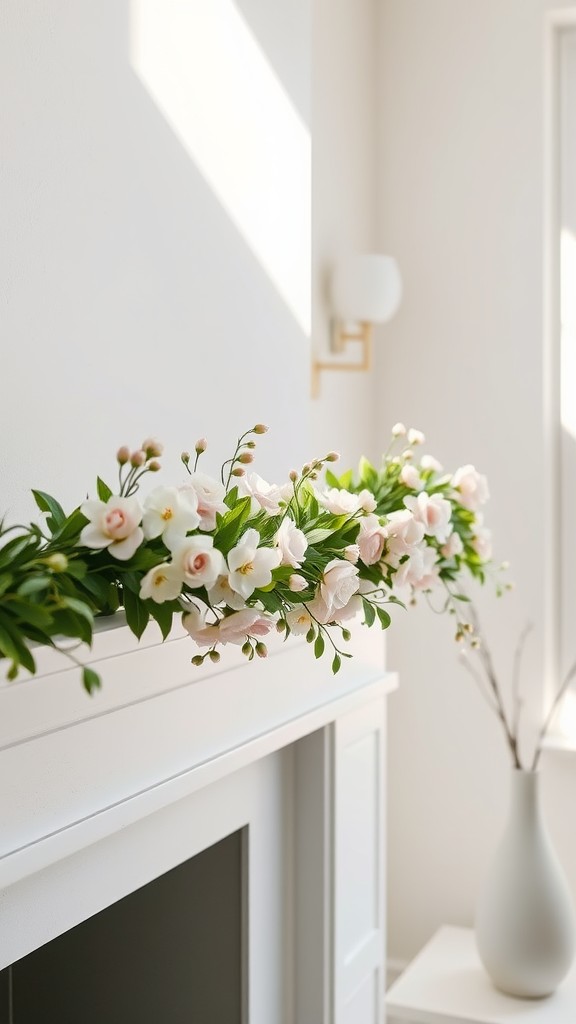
524 920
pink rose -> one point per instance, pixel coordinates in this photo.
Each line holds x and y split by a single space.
199 561
472 487
114 524
371 540
339 582
434 512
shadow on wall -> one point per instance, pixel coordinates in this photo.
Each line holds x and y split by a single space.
140 298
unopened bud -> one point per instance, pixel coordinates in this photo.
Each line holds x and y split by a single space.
57 562
123 455
415 437
246 648
332 457
261 650
138 458
214 656
154 466
281 626
407 455
346 634
152 447
260 428
238 471
185 458
398 430
246 458
293 476
197 659
250 444
306 468
297 583
352 553
201 445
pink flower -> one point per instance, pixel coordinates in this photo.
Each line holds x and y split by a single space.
418 570
114 524
297 583
367 500
267 496
291 543
472 487
453 546
233 629
339 582
199 561
410 477
209 496
352 553
403 534
371 540
434 512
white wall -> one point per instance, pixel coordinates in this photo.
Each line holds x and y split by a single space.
131 302
460 205
343 204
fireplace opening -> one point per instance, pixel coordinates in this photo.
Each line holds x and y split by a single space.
170 951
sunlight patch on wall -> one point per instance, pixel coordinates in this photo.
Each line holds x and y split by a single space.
568 330
208 76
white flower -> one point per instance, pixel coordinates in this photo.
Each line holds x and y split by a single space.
418 570
403 533
472 487
299 620
114 524
199 562
453 546
297 583
410 477
339 581
268 496
398 430
222 593
291 543
162 583
429 462
251 566
169 513
339 502
434 512
352 553
371 540
367 500
209 498
415 437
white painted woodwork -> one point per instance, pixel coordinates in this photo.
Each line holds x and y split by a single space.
446 984
359 942
99 796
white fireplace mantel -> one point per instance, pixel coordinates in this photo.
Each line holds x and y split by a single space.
100 795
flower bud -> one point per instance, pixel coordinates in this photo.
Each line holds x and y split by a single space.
346 634
332 457
250 444
201 445
197 659
246 458
261 650
57 562
306 469
138 458
260 428
415 436
281 626
152 447
214 656
296 583
352 553
246 648
407 455
238 471
154 466
185 458
293 476
123 455
398 430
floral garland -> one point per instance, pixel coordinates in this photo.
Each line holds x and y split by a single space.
240 557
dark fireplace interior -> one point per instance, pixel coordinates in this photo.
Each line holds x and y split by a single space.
169 953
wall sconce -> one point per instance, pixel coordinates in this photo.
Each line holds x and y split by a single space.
365 290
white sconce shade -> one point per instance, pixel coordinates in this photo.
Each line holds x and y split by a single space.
366 288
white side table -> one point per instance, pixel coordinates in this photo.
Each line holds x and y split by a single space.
446 984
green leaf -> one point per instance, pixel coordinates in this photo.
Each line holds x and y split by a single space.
90 680
231 498
6 580
104 492
336 663
35 614
46 503
137 613
79 607
332 480
33 585
385 619
319 646
69 623
162 614
230 525
369 613
71 527
17 551
13 647
368 475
